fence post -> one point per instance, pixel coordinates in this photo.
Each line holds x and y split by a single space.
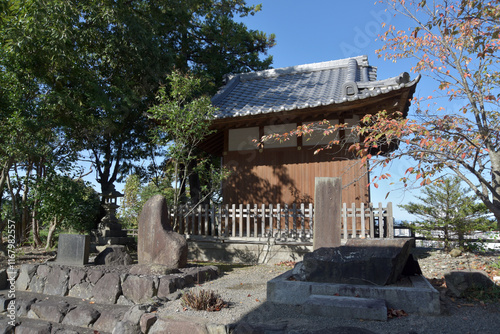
278 219
233 216
303 220
287 220
354 232
226 226
380 220
255 216
212 221
344 219
372 221
219 225
271 220
390 221
240 221
362 215
312 217
294 233
248 221
263 221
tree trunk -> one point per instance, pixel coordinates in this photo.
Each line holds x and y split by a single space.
106 187
495 184
3 180
194 184
35 229
446 239
50 235
22 228
461 240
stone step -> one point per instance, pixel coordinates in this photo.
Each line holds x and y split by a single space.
39 313
33 326
345 307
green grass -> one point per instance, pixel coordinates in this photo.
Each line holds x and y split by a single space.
496 264
487 295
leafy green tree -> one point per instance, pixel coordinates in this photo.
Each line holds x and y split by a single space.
136 194
66 203
80 75
183 118
31 133
448 208
101 62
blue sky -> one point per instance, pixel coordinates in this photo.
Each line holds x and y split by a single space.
324 30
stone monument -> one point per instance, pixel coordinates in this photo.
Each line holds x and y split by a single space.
359 261
158 243
327 211
361 279
73 249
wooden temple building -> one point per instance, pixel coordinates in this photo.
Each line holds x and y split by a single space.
278 100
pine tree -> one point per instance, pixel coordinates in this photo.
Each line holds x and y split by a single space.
447 207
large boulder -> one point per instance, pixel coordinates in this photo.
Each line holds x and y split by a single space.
114 255
157 242
361 261
460 281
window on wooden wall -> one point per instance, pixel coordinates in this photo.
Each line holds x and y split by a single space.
318 137
280 129
242 139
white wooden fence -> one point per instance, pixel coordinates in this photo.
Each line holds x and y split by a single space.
282 223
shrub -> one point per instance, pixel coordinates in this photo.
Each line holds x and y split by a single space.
203 300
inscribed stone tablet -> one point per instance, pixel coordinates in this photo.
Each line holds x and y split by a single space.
73 249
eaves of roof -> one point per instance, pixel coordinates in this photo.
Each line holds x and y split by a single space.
303 87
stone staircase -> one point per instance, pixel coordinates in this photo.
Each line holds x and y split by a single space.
39 313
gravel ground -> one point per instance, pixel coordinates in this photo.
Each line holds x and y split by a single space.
245 290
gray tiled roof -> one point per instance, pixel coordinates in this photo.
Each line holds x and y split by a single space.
303 86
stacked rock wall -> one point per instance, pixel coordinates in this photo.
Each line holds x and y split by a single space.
107 285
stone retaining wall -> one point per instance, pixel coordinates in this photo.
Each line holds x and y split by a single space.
241 251
107 285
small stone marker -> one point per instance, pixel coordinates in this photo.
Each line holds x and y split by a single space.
157 243
73 249
327 210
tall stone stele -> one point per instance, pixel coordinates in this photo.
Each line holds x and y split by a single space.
157 242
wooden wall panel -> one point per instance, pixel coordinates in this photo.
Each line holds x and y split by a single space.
287 176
